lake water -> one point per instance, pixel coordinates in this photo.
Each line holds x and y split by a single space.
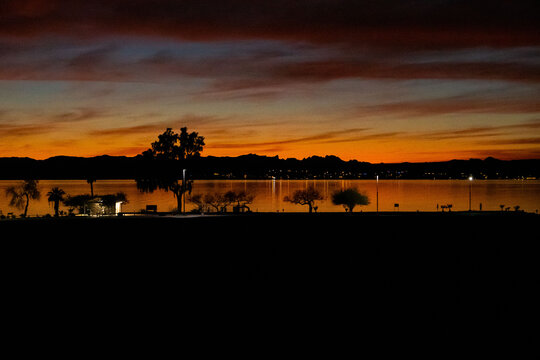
411 195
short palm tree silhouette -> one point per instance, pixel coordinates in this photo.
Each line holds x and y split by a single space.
55 196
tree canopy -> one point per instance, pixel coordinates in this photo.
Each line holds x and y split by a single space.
220 201
173 146
165 160
55 196
305 197
349 198
21 194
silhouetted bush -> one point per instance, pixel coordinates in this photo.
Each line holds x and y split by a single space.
349 198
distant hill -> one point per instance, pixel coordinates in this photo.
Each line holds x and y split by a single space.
263 167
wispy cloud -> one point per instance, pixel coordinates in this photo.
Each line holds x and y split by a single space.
514 141
30 124
482 132
463 104
158 125
78 115
126 131
317 138
10 130
333 69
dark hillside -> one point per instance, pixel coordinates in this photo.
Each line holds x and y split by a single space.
264 167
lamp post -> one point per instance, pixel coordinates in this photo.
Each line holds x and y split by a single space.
377 193
184 191
470 191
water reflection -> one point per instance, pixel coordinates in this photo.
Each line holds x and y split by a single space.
411 195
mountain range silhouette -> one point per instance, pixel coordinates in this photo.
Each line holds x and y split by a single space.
253 166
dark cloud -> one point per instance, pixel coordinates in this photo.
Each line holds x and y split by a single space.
249 74
482 132
469 104
514 141
426 23
126 131
77 115
475 132
377 136
93 59
392 68
61 61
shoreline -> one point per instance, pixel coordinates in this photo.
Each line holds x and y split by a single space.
459 213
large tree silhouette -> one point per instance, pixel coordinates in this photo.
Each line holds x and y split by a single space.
216 201
349 198
242 199
305 197
165 160
21 194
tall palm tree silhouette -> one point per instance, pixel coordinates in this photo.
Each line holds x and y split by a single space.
55 196
21 194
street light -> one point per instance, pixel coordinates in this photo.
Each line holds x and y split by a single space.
377 193
470 190
184 191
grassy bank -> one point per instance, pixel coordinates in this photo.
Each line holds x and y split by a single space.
398 280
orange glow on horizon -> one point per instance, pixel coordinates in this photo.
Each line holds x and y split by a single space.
373 151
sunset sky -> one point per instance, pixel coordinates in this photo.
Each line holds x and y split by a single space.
377 81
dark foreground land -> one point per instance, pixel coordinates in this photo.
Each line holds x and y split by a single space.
427 285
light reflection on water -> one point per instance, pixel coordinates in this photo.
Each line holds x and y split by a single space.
411 195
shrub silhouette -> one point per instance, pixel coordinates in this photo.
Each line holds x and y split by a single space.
349 198
242 199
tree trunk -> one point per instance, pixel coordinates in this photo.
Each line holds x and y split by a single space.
27 202
310 207
178 195
56 205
